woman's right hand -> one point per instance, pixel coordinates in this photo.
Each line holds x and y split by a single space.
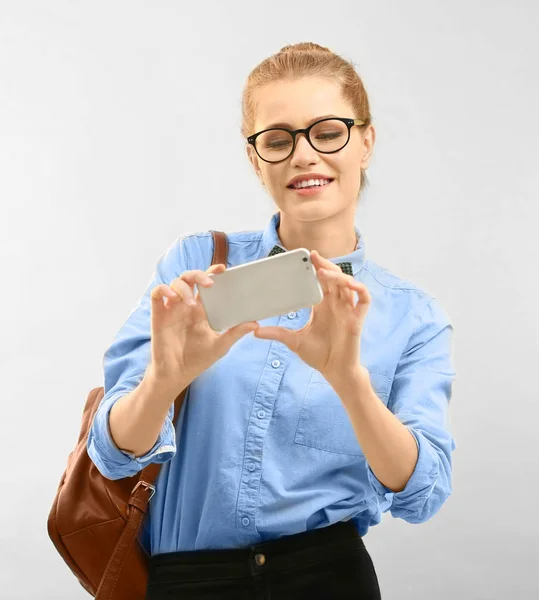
183 345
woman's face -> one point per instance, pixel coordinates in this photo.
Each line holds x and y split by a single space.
296 104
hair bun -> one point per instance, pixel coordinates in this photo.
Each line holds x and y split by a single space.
304 47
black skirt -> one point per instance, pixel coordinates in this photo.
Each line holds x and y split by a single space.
331 562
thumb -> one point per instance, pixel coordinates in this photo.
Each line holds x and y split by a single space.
218 268
279 334
232 335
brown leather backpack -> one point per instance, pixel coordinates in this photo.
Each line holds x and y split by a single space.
94 522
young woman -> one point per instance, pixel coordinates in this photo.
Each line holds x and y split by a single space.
298 432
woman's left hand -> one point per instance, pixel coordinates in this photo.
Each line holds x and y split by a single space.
330 341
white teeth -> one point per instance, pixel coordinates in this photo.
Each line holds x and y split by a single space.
310 183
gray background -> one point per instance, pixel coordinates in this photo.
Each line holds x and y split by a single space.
103 164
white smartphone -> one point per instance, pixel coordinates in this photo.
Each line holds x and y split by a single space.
261 289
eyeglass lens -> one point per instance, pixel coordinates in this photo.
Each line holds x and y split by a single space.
326 136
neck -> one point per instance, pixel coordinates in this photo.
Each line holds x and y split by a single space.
331 237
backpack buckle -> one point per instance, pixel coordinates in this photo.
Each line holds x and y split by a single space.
145 485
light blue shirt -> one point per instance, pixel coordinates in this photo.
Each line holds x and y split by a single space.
263 445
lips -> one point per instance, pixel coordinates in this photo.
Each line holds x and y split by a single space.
323 183
306 177
315 190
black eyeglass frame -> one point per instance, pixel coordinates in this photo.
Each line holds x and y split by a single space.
348 122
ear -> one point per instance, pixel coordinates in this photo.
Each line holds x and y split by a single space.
369 138
255 161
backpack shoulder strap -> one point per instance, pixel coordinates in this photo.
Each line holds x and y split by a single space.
220 248
144 490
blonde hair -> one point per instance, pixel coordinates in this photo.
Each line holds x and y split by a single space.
300 60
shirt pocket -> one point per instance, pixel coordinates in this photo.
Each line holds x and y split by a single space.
324 422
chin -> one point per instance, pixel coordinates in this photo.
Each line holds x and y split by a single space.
310 210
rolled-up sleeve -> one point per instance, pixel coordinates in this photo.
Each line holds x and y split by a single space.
124 364
419 397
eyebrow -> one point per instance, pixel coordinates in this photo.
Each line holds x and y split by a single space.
288 126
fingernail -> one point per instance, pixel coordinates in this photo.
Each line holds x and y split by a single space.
191 302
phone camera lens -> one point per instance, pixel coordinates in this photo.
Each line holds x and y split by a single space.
305 259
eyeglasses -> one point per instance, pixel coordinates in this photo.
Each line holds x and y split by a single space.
327 136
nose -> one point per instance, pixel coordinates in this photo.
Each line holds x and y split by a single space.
303 152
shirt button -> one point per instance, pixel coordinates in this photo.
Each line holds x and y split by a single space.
292 315
251 467
261 414
275 363
245 522
260 559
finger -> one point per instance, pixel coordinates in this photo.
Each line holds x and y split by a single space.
339 291
323 280
219 268
161 291
163 295
196 277
346 294
323 263
184 290
231 336
331 279
186 282
280 334
335 282
360 288
212 270
364 297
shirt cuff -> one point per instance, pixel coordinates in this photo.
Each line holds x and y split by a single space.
420 484
115 463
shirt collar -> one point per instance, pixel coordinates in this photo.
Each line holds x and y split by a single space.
351 263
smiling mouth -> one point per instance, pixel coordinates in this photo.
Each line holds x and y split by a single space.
308 184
